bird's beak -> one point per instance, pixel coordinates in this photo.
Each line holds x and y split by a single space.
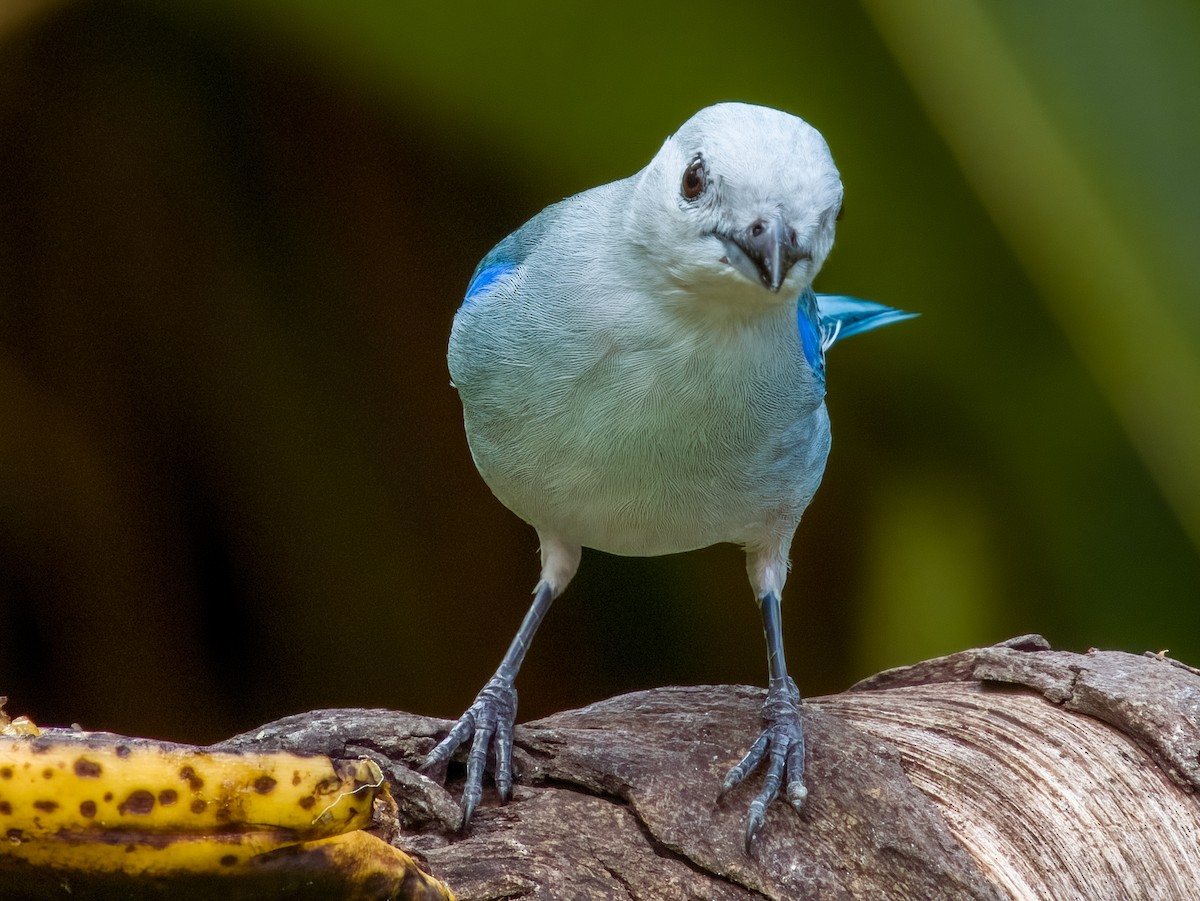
766 249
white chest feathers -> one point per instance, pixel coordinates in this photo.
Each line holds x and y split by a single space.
642 437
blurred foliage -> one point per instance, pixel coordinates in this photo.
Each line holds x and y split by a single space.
233 480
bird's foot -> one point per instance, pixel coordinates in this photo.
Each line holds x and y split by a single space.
782 745
490 721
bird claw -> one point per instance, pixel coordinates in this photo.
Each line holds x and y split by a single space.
487 723
781 744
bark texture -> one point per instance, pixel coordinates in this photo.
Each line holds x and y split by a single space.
1010 771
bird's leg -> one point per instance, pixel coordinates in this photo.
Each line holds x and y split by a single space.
490 718
782 741
488 722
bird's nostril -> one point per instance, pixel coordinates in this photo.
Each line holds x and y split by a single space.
793 239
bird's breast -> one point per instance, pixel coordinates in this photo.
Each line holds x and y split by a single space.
644 438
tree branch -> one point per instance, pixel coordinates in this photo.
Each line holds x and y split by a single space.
1007 771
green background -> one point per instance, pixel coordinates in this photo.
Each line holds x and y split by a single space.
233 479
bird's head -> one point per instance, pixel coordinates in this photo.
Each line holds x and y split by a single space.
739 205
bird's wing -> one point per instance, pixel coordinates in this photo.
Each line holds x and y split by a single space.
505 259
812 332
840 317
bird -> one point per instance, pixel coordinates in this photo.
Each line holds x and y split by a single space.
641 368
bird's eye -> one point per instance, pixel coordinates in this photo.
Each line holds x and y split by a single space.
695 180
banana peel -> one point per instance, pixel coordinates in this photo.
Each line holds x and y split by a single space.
95 815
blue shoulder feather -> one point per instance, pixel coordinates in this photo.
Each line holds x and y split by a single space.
809 319
825 319
486 275
506 257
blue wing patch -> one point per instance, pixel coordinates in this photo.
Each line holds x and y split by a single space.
507 257
825 319
810 333
486 275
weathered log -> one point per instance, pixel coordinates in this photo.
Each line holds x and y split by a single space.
1011 771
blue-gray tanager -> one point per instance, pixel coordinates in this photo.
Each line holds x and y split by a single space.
642 371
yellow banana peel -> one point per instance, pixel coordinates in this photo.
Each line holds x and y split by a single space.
83 806
79 784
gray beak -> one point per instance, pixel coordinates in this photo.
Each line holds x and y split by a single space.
766 249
